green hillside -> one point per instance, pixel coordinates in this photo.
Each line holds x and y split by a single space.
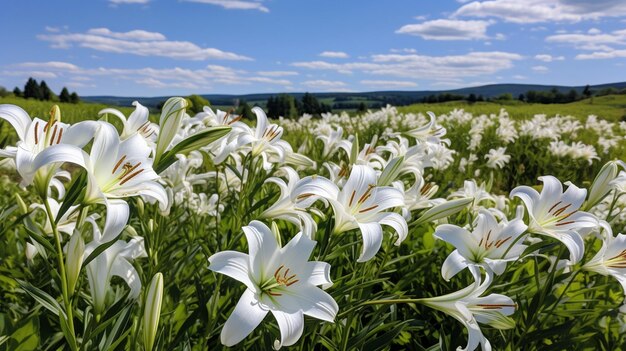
609 107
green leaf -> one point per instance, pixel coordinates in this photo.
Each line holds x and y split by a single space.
42 297
99 250
191 143
73 195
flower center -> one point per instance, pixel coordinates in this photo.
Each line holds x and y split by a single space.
366 195
146 130
557 214
618 261
129 171
280 280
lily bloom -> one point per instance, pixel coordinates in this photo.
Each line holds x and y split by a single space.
295 199
611 259
361 204
119 169
556 213
34 153
278 280
470 308
137 123
490 245
116 260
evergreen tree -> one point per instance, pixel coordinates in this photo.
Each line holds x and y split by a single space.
521 97
587 92
17 92
32 90
64 96
74 98
46 93
471 98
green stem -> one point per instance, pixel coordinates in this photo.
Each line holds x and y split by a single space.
66 298
391 302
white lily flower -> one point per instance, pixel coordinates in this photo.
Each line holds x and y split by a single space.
490 245
264 138
334 142
470 308
34 155
116 260
120 169
556 213
66 223
360 204
295 199
611 259
137 123
278 280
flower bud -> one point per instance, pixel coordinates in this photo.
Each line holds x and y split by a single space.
276 233
446 209
74 259
601 184
152 311
21 204
391 171
171 115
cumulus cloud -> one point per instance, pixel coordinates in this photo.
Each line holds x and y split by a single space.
388 83
445 29
209 77
540 68
334 54
234 4
137 42
598 45
423 66
535 11
277 73
548 58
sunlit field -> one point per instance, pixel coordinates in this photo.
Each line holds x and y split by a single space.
427 227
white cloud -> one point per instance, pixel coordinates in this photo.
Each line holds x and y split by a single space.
137 42
132 35
209 77
389 83
540 68
519 77
422 66
52 29
399 51
277 73
445 29
549 58
599 45
235 4
334 54
535 11
117 2
324 84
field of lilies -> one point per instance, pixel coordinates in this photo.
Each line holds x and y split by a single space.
383 231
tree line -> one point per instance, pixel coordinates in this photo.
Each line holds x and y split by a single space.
289 107
41 91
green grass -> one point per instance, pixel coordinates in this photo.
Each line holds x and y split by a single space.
609 107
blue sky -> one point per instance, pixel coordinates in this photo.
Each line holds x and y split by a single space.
171 47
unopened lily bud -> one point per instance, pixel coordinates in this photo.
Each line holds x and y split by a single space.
354 152
152 311
444 210
171 115
276 233
74 259
140 206
391 172
601 184
131 231
55 114
151 225
21 204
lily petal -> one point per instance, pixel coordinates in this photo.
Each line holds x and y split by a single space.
372 234
291 326
246 316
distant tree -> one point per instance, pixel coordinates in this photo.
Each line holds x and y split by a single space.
46 93
587 92
32 90
310 105
362 107
17 92
521 98
480 98
572 95
196 103
74 98
471 98
64 96
505 97
4 92
245 110
282 105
